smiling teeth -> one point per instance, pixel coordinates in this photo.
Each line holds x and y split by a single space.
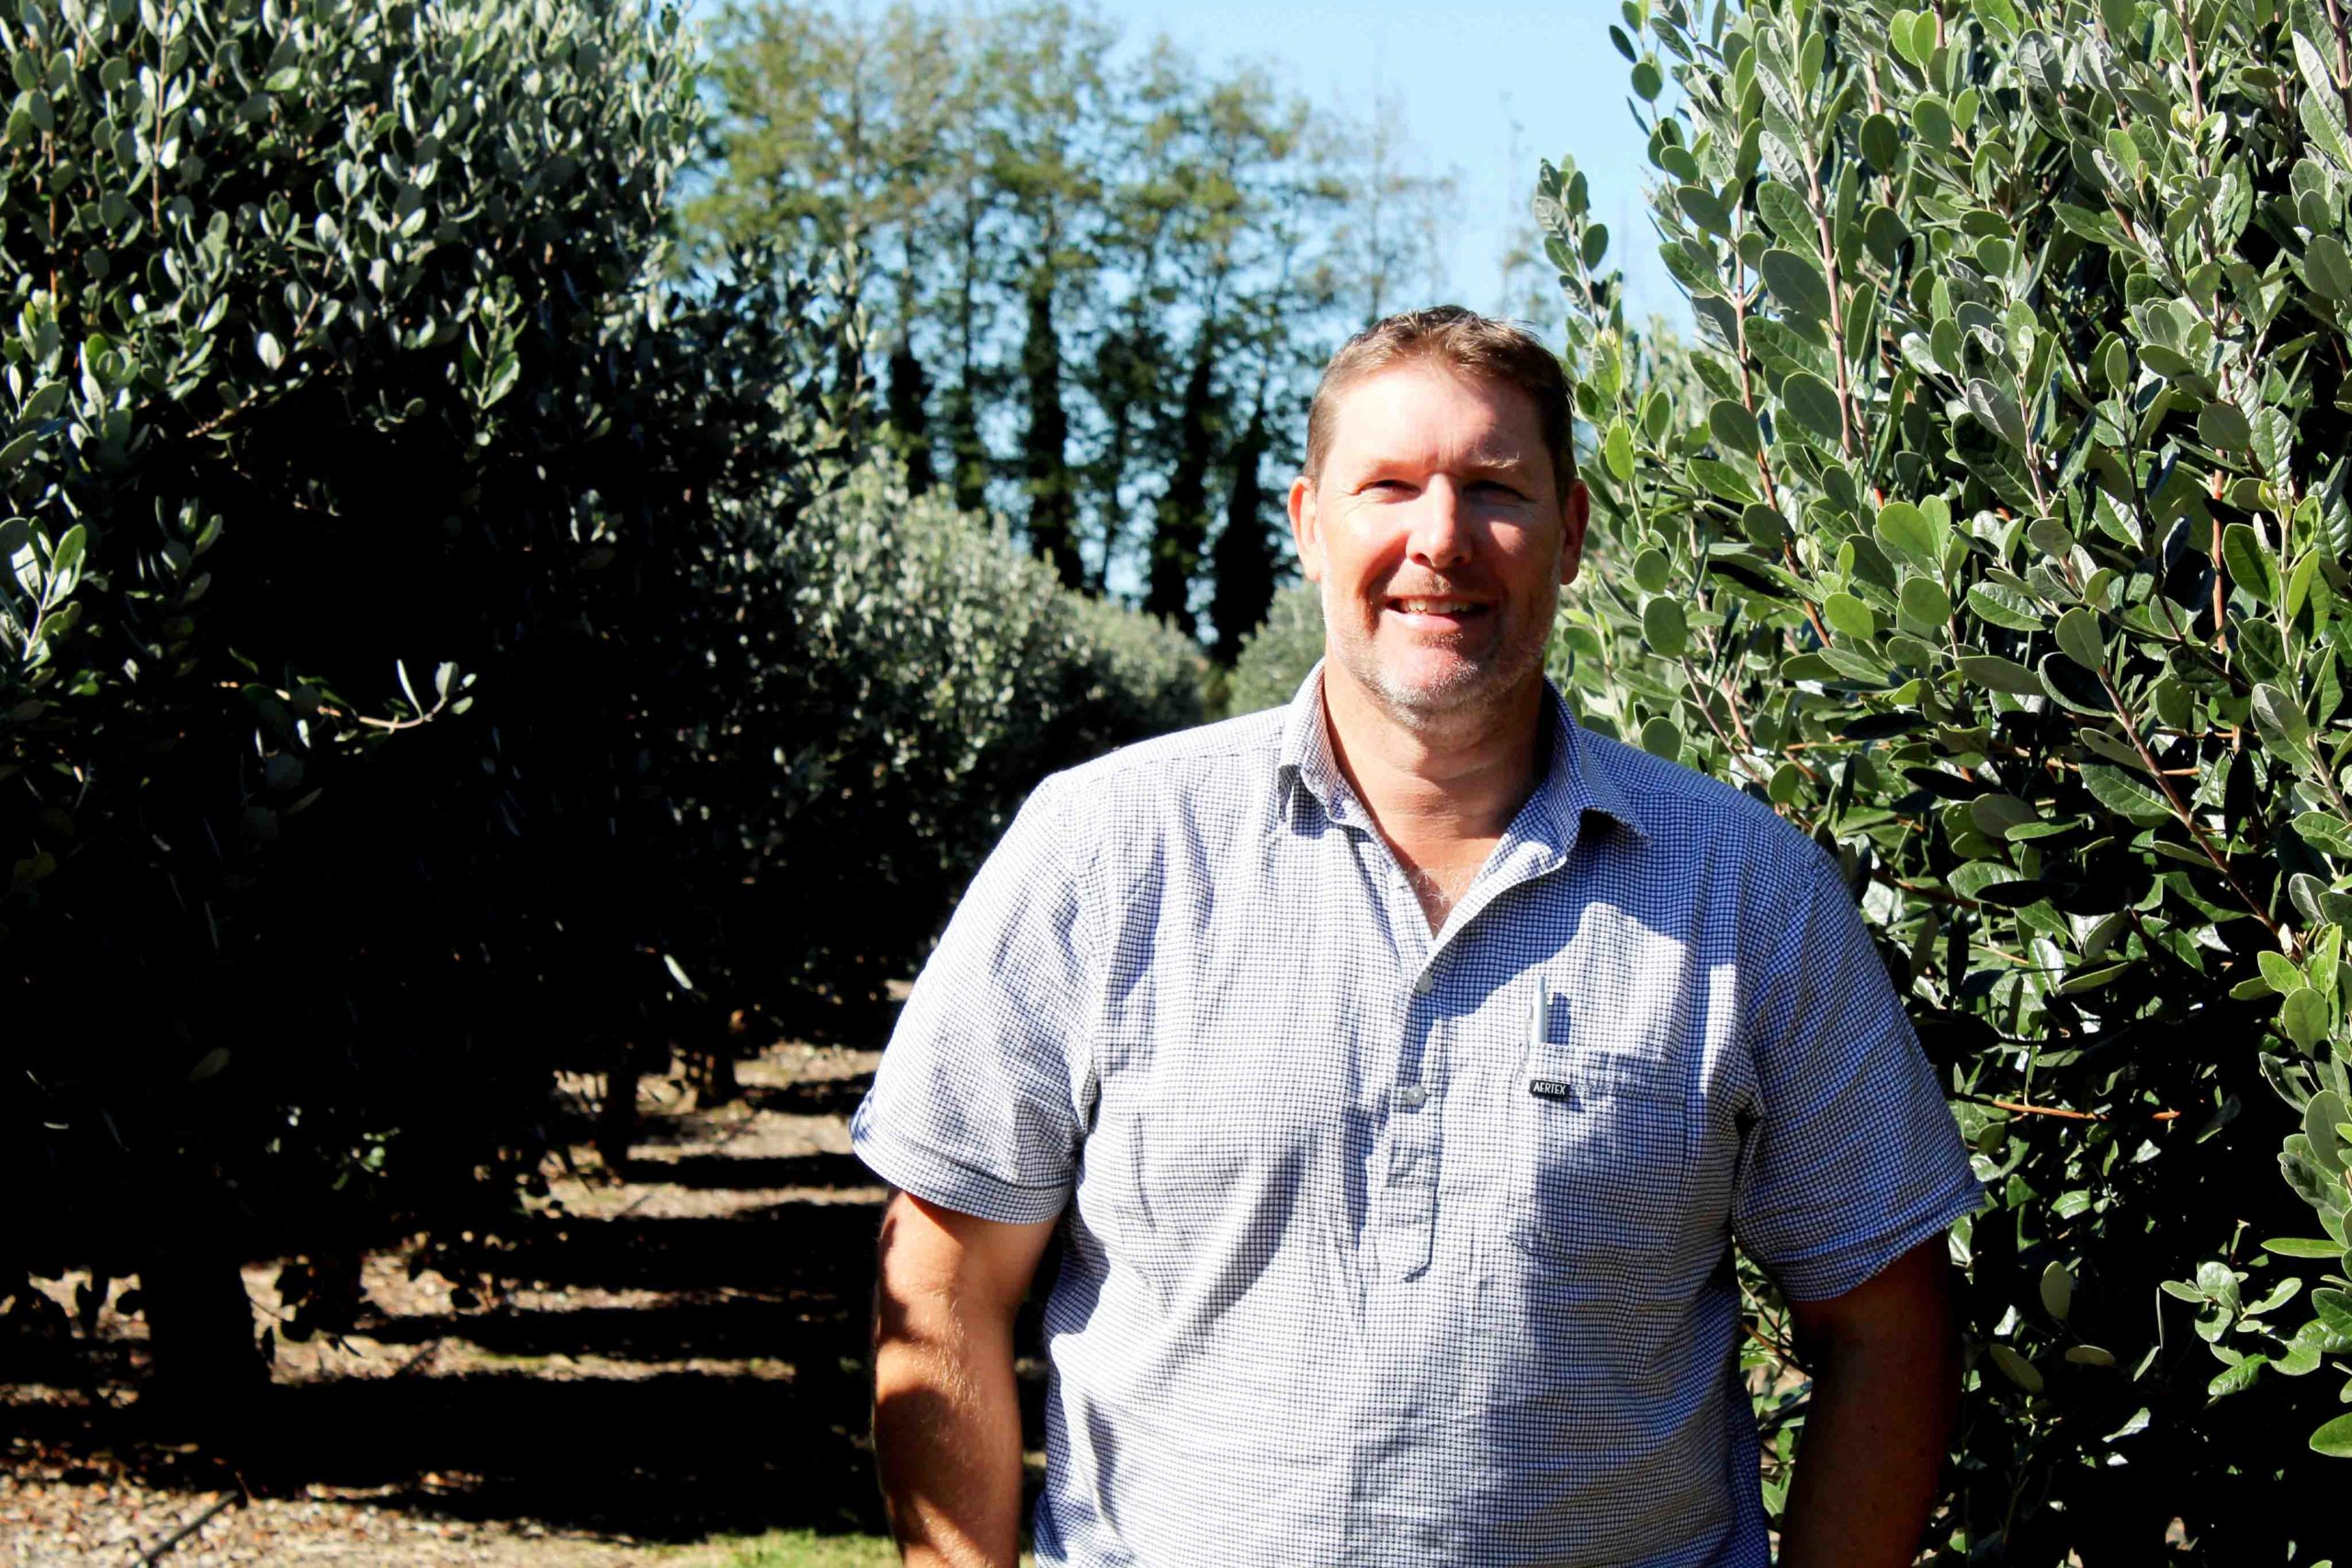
1434 606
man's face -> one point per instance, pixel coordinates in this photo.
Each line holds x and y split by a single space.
1440 540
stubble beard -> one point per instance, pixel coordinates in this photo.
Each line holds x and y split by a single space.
1461 699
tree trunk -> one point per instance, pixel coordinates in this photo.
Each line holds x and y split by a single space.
208 1370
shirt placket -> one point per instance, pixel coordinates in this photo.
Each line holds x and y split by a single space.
1404 1214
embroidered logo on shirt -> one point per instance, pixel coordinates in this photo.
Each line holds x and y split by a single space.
1551 1088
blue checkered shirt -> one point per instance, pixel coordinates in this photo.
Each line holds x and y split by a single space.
1391 1247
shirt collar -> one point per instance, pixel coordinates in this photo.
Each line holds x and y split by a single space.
1571 785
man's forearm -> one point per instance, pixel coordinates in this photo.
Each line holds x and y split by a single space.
947 1432
1874 1447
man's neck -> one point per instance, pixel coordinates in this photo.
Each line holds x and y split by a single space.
1459 781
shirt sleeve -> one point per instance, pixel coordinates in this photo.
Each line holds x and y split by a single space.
976 1107
1854 1157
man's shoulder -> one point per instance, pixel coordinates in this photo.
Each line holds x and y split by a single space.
1215 764
1684 812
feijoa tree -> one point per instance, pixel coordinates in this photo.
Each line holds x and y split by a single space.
1993 527
375 522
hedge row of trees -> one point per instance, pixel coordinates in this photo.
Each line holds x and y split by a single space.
1994 527
1102 285
419 665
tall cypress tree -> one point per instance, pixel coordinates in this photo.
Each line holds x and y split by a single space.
1045 448
1247 554
909 394
1176 542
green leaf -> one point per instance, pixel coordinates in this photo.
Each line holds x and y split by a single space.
284 80
1652 570
2321 1114
2313 65
1721 478
1931 119
2057 1290
2299 583
1663 626
2079 639
1813 402
1994 815
1661 739
2303 1016
1881 143
1904 528
2334 1438
2000 675
2016 1368
2325 831
1704 208
1925 602
1647 81
2323 117
2004 607
1796 282
2278 716
2224 426
1734 427
2328 267
2302 1246
2232 1379
2125 795
1849 616
2251 566
1617 451
2279 970
1997 411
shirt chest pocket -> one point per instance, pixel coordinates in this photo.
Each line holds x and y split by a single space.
1599 1159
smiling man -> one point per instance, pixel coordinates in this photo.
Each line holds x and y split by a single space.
1401 1067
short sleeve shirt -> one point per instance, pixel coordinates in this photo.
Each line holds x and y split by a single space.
1386 1247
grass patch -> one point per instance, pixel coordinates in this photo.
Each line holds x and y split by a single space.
806 1548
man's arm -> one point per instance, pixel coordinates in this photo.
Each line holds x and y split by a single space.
946 1420
1885 1380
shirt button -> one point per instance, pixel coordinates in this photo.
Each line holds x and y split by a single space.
1424 983
1412 1097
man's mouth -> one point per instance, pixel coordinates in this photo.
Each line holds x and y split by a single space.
1437 610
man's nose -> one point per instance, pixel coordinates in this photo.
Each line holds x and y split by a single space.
1440 536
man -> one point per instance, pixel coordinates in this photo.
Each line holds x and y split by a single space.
1401 1065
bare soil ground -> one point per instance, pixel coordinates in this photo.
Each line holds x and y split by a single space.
688 1364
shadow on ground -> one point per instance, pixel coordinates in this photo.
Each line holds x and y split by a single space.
713 1376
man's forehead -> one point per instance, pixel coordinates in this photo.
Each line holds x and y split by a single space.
1388 413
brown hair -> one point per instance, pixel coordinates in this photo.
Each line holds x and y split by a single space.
1469 345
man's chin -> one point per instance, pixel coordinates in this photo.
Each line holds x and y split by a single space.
1433 694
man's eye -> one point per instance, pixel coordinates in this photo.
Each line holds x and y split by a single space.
1496 486
1387 485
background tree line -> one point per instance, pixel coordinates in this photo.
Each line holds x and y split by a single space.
1101 285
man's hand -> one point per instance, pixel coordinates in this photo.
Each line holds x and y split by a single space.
1885 1380
946 1421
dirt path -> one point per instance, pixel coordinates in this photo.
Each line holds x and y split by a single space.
688 1361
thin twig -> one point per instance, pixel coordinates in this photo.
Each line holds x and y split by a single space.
149 1555
2023 1109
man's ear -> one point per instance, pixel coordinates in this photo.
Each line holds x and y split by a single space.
1306 528
1575 512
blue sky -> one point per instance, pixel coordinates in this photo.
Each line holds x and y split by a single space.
1463 73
